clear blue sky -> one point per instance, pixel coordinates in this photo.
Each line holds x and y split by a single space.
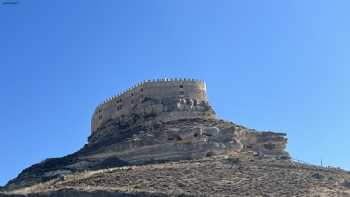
269 65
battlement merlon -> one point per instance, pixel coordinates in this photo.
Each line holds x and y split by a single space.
132 100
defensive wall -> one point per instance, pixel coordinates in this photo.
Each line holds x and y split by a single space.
168 99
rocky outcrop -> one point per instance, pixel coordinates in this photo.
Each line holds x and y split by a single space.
184 139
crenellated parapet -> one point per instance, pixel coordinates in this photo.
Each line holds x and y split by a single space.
165 98
156 82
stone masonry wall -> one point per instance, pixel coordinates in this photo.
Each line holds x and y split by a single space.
177 97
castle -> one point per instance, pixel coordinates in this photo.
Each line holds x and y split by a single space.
153 122
170 124
161 99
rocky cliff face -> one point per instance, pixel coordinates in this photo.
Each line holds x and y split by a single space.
183 139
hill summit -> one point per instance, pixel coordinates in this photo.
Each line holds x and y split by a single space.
162 138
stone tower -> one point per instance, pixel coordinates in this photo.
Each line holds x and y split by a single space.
153 101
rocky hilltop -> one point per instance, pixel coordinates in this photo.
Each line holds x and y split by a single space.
162 138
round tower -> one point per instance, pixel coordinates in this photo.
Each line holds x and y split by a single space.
161 100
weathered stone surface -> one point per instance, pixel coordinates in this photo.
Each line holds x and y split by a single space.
170 141
157 100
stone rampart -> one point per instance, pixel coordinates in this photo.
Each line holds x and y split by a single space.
165 99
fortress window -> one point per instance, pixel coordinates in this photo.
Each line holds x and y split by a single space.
100 117
182 92
194 102
181 86
132 94
141 90
119 107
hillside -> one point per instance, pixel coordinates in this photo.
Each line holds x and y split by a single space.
230 175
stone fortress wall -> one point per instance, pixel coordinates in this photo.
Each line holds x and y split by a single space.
168 99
